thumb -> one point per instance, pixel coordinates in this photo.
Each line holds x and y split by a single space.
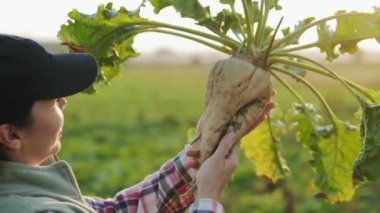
225 145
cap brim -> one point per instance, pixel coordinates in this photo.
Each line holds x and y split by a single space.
72 73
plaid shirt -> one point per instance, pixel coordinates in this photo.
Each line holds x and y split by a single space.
164 191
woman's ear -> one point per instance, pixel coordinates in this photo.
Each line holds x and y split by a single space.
9 137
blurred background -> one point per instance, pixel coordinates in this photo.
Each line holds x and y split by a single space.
133 125
115 138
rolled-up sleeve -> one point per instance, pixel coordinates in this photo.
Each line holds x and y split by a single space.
166 190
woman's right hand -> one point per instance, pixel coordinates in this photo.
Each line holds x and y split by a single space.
215 172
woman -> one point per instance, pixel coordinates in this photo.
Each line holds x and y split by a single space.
33 84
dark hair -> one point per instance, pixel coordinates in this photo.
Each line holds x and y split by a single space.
15 113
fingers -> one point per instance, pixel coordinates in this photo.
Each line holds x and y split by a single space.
236 148
193 156
232 159
274 92
263 114
192 163
225 145
269 107
235 151
262 117
193 153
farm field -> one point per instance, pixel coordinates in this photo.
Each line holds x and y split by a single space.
125 132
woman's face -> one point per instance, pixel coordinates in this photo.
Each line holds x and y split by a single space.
41 138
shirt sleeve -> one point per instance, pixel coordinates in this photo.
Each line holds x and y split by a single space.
166 190
206 205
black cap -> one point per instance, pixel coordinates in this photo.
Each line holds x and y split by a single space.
28 72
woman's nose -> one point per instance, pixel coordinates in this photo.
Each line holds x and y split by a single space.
62 103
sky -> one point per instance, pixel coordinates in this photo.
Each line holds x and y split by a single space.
41 19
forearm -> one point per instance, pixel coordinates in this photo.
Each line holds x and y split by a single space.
163 191
175 179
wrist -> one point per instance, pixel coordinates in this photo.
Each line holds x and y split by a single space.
214 195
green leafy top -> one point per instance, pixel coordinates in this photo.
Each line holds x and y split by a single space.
109 33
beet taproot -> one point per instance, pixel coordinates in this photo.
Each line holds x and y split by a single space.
237 92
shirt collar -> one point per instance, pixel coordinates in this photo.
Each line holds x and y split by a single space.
55 179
